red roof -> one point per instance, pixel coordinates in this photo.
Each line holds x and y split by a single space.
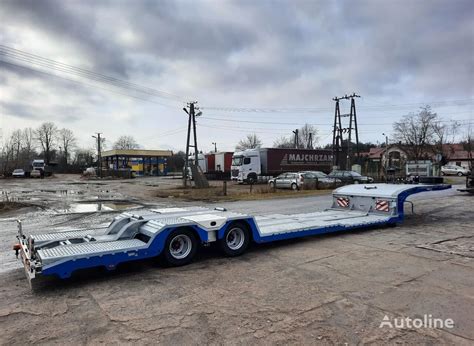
376 153
458 155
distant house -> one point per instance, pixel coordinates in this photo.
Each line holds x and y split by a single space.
379 159
456 155
395 156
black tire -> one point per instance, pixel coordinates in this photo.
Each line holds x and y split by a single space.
460 174
356 182
272 185
251 179
230 244
442 173
176 256
294 187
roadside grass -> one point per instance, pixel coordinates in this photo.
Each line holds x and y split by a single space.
256 192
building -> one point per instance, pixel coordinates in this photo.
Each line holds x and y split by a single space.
142 162
395 156
456 155
378 160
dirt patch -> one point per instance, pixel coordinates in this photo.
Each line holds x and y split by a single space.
9 206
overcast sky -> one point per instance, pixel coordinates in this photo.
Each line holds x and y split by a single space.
396 54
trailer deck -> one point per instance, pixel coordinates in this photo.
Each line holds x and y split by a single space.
175 233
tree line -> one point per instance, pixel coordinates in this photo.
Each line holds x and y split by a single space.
57 146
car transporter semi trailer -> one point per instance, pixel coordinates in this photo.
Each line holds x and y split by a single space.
176 233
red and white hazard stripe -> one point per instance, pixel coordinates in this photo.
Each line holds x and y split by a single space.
343 202
382 205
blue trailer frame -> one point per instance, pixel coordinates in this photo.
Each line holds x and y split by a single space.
155 232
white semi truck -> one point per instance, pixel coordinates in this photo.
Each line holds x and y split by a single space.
253 165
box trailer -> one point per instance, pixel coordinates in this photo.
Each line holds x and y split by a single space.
218 165
252 164
175 234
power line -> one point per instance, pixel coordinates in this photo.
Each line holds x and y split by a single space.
23 56
29 58
86 84
458 102
304 123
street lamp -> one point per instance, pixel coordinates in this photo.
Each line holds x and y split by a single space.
386 139
215 146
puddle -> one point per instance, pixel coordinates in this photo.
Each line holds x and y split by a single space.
99 206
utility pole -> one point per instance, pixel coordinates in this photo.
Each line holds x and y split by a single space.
99 155
215 146
191 112
310 141
352 121
338 131
296 138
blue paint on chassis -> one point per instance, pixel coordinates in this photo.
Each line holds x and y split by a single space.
156 244
110 261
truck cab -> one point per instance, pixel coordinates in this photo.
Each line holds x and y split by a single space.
38 165
246 166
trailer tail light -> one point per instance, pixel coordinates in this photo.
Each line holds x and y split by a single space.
17 248
382 205
343 202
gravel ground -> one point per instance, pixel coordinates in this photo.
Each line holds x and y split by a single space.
332 289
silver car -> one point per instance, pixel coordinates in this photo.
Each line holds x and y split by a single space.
454 170
18 173
287 181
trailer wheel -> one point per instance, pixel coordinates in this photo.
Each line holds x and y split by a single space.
236 239
180 247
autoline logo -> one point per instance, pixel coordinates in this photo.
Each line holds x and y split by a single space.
428 321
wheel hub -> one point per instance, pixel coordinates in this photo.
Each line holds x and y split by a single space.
235 238
180 246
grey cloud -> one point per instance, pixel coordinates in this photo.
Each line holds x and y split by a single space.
376 48
69 22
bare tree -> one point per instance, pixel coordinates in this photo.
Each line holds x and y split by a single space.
283 142
84 157
16 142
68 142
46 135
307 136
8 155
28 136
250 142
417 131
126 143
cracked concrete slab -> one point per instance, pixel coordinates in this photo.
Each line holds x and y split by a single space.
332 289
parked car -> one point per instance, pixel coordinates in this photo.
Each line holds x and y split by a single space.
292 181
35 173
322 178
454 170
350 177
18 173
